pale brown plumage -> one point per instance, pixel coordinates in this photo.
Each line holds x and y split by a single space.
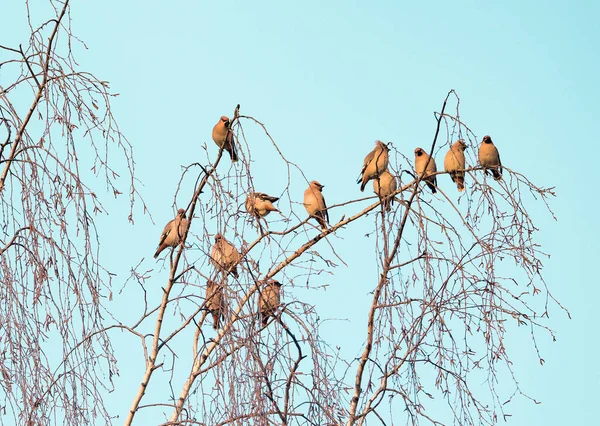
269 300
173 232
383 186
421 158
489 158
259 204
223 137
454 163
214 302
224 256
375 163
314 203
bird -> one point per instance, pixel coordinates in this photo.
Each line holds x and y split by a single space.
375 163
223 137
214 302
489 158
383 186
314 203
269 300
173 233
421 158
454 163
224 255
259 204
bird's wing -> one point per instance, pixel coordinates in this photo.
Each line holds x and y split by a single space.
368 159
166 231
229 142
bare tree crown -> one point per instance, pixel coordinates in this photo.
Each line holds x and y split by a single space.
441 298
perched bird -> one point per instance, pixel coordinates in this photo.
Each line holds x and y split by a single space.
383 186
214 302
489 158
259 204
314 203
375 163
269 300
421 158
173 233
224 255
222 135
454 163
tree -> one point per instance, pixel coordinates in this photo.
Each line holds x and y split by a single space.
442 301
56 121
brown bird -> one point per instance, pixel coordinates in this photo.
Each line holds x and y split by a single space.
269 300
314 203
224 256
214 302
383 186
259 204
454 163
173 233
223 136
421 158
375 163
489 158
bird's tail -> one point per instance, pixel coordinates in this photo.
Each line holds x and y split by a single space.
387 204
364 183
321 219
216 314
233 154
159 250
460 183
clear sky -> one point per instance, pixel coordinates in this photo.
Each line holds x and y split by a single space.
328 79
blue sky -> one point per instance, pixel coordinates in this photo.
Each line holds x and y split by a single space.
330 79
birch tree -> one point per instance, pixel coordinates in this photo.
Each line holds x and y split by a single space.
456 273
